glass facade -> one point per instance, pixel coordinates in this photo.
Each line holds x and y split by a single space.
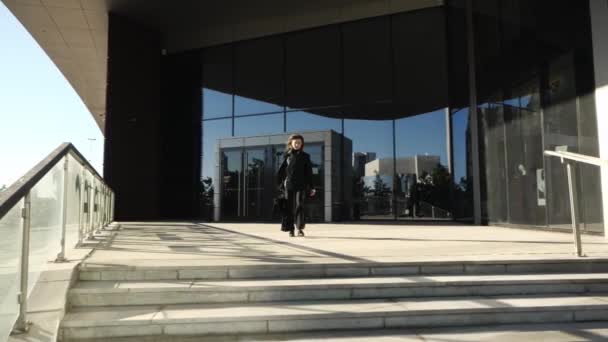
397 89
533 81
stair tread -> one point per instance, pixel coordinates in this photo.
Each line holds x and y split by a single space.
308 283
193 264
292 310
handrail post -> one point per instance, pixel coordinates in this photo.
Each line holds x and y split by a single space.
81 201
64 214
22 325
573 209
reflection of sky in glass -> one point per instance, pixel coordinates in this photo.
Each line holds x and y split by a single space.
303 121
422 134
212 131
216 104
460 123
258 125
369 181
371 136
244 106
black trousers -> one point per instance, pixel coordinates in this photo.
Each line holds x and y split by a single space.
295 210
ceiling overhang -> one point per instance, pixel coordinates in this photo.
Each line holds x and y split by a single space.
74 35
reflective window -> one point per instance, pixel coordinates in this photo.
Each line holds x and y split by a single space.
462 197
313 70
258 125
217 82
420 64
259 76
213 130
311 121
373 164
422 180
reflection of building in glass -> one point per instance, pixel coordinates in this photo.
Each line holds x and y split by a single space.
385 81
359 161
415 165
245 179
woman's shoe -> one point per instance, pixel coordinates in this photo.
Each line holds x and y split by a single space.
291 233
300 232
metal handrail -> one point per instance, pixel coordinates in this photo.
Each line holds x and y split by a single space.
578 157
20 190
567 158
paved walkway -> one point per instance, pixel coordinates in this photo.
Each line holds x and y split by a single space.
202 244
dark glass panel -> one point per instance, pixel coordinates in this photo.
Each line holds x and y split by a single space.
217 82
213 130
259 79
462 165
524 167
313 70
458 66
420 64
232 174
497 195
367 61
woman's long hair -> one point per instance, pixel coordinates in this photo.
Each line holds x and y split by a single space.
292 138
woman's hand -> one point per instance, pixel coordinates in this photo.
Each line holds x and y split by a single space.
312 192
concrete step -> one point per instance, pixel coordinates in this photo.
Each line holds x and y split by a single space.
290 317
116 293
556 332
89 271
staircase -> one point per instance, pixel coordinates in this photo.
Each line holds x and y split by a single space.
136 304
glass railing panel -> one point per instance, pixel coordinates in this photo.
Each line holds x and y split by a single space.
75 192
46 217
10 254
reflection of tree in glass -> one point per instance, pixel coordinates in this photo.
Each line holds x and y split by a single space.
381 189
206 191
255 167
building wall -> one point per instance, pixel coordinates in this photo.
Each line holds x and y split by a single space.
132 161
599 25
180 134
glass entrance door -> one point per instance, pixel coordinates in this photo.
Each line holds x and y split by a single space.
243 175
255 161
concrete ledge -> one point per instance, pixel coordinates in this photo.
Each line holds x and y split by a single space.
93 273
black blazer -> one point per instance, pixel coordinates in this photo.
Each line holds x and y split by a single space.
297 170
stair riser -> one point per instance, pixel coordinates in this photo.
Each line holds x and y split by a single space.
377 321
271 272
199 297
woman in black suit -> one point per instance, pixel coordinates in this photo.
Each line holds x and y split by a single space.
295 181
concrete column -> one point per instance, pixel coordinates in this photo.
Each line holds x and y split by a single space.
599 29
473 115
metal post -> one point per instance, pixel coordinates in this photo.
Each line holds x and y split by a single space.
64 215
22 324
87 207
573 209
96 211
90 209
81 201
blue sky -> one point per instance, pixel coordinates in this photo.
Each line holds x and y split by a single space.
39 109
